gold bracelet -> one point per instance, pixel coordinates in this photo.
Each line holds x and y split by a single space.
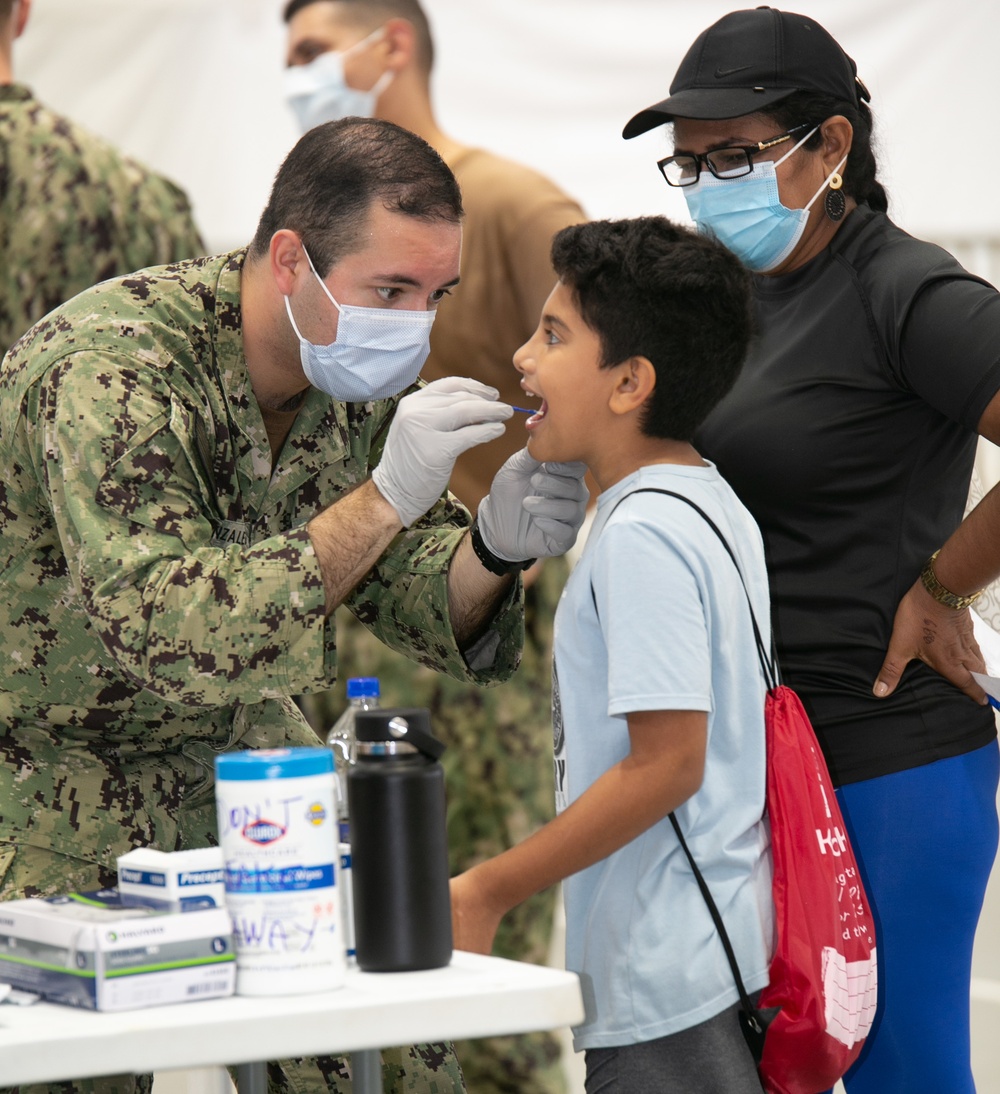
939 592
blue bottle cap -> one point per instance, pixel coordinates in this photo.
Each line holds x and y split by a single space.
362 687
273 763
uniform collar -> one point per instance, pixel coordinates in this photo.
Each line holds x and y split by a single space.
15 93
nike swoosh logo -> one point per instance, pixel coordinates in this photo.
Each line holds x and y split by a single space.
721 73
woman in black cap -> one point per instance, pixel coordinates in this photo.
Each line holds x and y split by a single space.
850 435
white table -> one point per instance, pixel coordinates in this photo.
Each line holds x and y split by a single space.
474 996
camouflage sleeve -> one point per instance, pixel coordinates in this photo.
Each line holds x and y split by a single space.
404 603
195 623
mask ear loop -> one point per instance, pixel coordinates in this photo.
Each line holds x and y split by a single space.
835 203
834 181
378 32
291 319
322 283
386 78
382 83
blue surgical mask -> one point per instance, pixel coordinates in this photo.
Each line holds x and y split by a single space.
318 92
746 214
378 352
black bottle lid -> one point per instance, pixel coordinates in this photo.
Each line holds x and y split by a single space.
403 725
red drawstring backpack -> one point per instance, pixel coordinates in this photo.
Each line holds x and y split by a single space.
812 1019
823 974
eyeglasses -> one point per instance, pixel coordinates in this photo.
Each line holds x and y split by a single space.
724 163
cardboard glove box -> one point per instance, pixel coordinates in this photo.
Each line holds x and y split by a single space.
91 950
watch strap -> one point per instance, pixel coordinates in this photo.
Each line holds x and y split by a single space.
496 565
942 595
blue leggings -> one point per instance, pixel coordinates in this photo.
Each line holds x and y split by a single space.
925 839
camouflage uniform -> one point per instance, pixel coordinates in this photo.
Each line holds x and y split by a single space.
74 211
159 594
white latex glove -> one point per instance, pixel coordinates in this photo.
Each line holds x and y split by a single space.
533 509
431 428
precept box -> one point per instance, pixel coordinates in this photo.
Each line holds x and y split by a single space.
90 950
174 880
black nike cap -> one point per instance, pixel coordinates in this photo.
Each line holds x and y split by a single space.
750 60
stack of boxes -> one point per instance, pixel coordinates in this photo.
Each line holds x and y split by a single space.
163 936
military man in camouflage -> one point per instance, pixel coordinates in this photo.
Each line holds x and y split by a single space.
202 460
73 209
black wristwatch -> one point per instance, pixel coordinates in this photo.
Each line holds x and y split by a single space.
499 566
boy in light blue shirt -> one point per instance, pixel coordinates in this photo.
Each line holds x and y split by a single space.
658 696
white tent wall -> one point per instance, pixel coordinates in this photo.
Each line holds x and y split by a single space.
193 87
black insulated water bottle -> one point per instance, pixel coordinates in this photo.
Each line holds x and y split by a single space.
399 843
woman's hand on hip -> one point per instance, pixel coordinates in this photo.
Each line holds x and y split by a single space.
941 637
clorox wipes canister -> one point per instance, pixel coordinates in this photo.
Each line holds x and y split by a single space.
278 833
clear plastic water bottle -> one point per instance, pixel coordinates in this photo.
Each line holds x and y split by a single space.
362 694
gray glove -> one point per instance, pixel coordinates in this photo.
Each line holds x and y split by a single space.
432 427
533 509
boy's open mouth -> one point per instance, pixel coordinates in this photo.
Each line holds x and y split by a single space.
538 415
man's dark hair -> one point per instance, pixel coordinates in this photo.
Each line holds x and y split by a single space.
650 288
336 173
371 14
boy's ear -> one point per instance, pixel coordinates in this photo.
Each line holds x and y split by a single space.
635 383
